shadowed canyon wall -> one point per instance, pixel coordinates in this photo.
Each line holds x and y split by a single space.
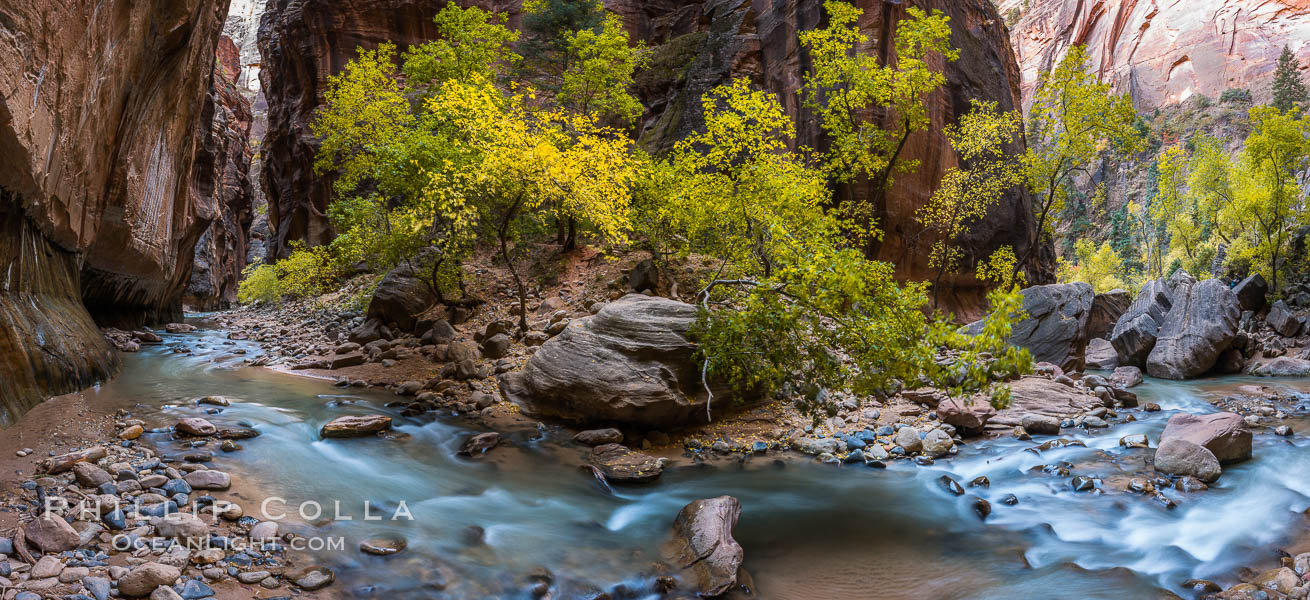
697 45
1163 51
108 181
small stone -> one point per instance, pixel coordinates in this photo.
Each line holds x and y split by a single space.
52 534
908 438
252 577
48 566
479 444
1134 440
950 485
131 433
144 578
383 546
355 426
313 578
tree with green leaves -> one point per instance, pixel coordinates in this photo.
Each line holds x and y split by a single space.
1288 88
548 26
1268 201
966 193
1073 120
791 306
845 86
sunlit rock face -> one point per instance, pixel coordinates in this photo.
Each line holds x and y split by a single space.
1163 52
104 126
698 44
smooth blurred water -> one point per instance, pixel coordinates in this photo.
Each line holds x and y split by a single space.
809 530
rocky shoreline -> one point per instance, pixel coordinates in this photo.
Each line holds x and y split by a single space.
116 517
457 364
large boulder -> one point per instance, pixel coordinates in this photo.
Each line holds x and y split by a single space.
1283 366
1106 309
1055 329
1199 327
1223 434
1282 320
1251 292
1134 335
1101 355
629 363
400 298
1042 396
703 545
968 416
1177 456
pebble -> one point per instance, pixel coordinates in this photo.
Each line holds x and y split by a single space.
251 577
950 485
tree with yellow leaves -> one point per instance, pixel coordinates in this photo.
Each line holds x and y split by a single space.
845 85
966 193
1074 119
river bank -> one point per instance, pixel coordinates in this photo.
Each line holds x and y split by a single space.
809 530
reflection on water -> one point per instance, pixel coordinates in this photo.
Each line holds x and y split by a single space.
481 526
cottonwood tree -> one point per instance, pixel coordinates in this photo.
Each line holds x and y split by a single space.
1268 200
1074 120
966 193
846 87
791 306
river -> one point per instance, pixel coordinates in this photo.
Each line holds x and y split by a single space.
808 530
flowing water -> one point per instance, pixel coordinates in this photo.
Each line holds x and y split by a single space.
809 530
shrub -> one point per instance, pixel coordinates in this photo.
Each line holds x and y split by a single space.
259 284
1235 95
306 272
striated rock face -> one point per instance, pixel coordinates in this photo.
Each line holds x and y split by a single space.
1163 52
697 45
302 43
220 255
98 140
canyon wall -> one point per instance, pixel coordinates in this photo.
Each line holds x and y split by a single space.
697 45
1163 51
104 186
220 253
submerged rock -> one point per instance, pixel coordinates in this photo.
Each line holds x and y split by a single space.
479 444
355 426
703 546
1180 457
618 463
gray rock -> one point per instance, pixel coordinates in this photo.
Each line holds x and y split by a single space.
1281 319
144 578
1037 424
618 463
1283 366
817 446
630 363
644 276
1101 354
1134 335
400 298
1126 377
1251 292
51 534
1107 307
496 346
937 444
703 546
355 426
207 479
165 593
1199 327
596 437
908 438
367 332
313 578
1055 329
1180 457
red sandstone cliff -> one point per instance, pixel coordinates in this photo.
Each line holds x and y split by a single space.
104 186
1162 51
698 44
